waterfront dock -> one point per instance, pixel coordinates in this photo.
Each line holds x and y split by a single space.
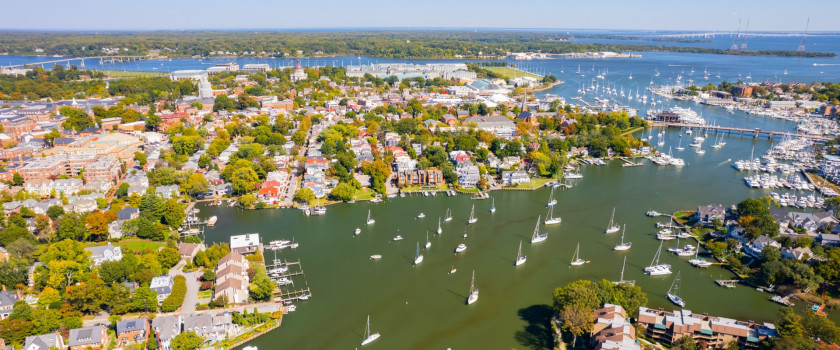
743 131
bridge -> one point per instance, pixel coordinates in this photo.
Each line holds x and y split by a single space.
744 131
102 60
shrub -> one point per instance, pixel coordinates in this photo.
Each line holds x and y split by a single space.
176 298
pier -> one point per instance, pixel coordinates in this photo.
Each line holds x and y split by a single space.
743 131
288 292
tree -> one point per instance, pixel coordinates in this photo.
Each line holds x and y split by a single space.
577 319
261 288
21 248
168 257
195 184
140 157
686 343
343 192
144 300
187 341
55 211
305 194
173 213
153 122
77 119
223 103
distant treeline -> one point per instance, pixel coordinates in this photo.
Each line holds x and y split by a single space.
388 44
640 38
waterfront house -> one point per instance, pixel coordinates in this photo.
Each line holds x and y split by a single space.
800 253
7 303
717 332
432 177
828 240
189 250
165 328
211 327
103 253
468 174
88 338
248 243
134 331
757 246
44 342
707 213
167 192
515 177
612 330
162 285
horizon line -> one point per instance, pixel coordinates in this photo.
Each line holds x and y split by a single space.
418 29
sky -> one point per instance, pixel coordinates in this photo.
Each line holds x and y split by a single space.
147 15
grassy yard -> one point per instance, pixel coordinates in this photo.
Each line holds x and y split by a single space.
508 72
134 244
120 74
205 294
535 183
441 187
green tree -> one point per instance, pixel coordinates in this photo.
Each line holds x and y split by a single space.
261 288
168 257
187 341
577 319
77 119
144 300
343 192
304 195
17 179
686 343
140 157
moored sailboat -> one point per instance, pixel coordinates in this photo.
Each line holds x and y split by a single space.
472 219
576 260
369 338
623 245
520 259
537 236
473 297
672 292
612 227
550 219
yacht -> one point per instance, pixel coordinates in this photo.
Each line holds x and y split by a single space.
461 247
655 267
370 220
398 237
698 261
472 219
623 245
672 292
448 216
473 291
520 259
376 256
550 219
612 227
417 257
369 338
576 260
537 236
421 215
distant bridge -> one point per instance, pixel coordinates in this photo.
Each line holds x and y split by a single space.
743 131
726 33
102 60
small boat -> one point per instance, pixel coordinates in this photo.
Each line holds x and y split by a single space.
252 347
357 231
551 201
289 308
623 245
304 296
376 256
398 238
655 268
612 227
418 258
421 215
369 338
370 220
672 292
473 291
537 236
472 219
453 270
440 229
576 260
550 219
520 259
428 243
212 221
461 247
448 216
493 206
320 210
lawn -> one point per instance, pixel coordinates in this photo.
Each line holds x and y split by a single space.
134 244
120 74
508 72
205 294
535 183
365 194
441 187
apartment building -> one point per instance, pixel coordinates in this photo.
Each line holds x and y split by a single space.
716 332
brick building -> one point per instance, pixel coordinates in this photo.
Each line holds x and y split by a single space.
716 332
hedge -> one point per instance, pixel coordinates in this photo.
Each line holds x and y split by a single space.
176 298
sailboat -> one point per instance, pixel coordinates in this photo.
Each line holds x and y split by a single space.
448 216
538 237
576 260
417 257
440 229
672 292
369 338
612 227
520 259
656 72
370 220
551 201
655 267
623 246
493 206
550 219
472 219
698 261
679 146
631 76
428 243
620 281
473 291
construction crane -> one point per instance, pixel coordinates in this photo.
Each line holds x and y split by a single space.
744 43
734 46
801 47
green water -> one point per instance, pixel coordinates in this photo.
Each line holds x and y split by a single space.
423 307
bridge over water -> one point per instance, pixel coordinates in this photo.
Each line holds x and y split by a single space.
81 60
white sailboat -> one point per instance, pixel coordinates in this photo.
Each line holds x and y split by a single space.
440 229
698 261
428 243
576 260
369 338
370 220
612 227
679 145
473 291
550 219
418 258
448 216
520 259
493 206
623 246
472 219
672 292
655 267
537 236
551 201
621 280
